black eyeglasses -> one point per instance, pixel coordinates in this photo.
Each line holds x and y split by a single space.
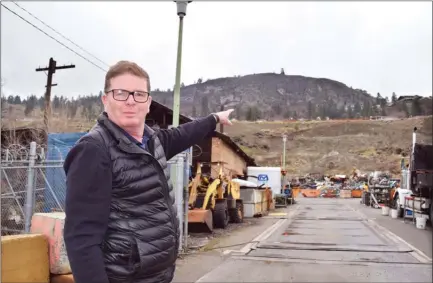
123 95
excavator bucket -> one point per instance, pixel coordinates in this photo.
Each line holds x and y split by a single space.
200 220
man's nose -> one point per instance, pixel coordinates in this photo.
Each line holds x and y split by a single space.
130 99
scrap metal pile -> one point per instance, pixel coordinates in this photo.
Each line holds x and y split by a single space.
324 186
380 187
378 183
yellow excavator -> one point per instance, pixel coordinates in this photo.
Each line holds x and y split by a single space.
213 203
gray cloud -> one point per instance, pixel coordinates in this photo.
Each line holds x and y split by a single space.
377 46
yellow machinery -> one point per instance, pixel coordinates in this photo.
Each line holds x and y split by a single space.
213 204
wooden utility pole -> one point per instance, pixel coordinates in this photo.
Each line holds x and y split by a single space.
52 67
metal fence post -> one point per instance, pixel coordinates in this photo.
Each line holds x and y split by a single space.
186 201
179 195
30 191
177 181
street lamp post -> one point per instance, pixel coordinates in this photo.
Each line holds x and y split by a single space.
180 190
181 12
284 151
283 169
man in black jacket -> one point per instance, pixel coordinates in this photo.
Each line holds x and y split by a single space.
121 223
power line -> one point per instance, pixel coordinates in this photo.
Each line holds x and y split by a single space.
48 26
102 69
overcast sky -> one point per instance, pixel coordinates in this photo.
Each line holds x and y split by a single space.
380 47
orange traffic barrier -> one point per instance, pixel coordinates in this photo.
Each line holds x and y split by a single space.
356 193
310 193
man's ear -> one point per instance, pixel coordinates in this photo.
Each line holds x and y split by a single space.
104 98
149 102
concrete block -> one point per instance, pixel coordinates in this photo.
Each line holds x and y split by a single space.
24 258
51 225
68 278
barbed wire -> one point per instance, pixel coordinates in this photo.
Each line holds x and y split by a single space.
20 153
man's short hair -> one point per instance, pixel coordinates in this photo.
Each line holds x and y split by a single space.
125 67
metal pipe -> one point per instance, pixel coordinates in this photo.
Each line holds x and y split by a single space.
29 204
284 151
413 139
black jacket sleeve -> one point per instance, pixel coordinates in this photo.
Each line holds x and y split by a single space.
87 207
176 140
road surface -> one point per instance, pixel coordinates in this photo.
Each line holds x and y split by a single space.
325 240
421 239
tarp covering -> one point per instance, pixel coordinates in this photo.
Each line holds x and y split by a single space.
59 145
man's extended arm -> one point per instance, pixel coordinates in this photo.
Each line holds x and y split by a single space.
176 140
87 208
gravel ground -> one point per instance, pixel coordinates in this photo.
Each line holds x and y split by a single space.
208 241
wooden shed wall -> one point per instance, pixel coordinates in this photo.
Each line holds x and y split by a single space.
232 162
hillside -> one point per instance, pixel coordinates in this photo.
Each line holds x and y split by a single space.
273 96
331 146
266 96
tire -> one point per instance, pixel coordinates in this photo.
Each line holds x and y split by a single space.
237 214
221 215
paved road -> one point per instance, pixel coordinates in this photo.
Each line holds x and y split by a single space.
420 239
325 240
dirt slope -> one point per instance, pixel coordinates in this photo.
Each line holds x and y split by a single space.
331 146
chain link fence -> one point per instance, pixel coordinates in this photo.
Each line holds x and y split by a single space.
33 180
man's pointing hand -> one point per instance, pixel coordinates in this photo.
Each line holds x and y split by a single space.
224 117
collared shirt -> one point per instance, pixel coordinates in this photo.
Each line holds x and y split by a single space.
142 144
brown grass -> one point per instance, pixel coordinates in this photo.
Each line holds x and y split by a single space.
332 146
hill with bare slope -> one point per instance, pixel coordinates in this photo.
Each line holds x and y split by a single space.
332 146
273 96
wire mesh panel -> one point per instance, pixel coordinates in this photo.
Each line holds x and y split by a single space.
51 183
29 183
13 194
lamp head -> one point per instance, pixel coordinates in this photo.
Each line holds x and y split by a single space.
181 7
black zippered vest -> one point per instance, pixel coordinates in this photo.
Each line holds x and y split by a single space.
142 239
